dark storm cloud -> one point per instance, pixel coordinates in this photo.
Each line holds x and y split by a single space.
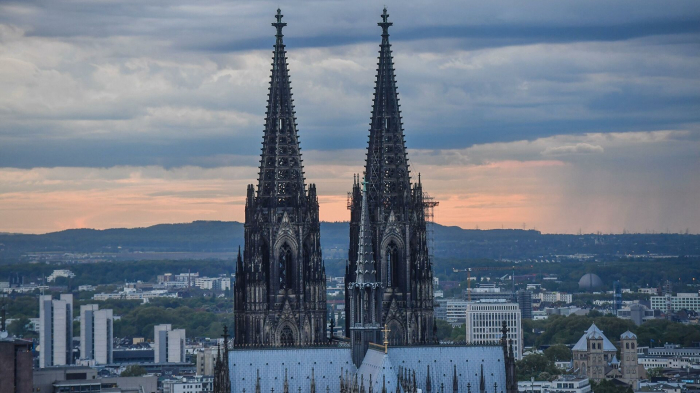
174 82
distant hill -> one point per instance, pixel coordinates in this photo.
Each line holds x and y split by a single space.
449 241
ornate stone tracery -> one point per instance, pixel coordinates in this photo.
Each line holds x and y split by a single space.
280 277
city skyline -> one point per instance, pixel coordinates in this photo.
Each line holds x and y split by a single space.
563 118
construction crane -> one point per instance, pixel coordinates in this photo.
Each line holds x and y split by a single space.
481 269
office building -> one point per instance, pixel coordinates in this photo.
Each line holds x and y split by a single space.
96 334
170 344
636 312
56 330
455 311
206 360
682 301
483 323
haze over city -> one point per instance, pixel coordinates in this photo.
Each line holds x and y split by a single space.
559 116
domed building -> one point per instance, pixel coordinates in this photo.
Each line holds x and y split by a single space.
589 282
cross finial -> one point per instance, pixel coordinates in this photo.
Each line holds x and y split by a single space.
386 338
385 23
279 24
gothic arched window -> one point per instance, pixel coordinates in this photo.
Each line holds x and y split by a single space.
285 267
287 336
393 264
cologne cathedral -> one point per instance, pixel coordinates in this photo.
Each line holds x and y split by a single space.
281 342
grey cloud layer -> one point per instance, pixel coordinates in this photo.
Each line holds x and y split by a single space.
171 83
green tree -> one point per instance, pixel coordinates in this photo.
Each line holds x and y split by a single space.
534 366
655 372
558 353
18 327
459 333
444 329
608 386
133 371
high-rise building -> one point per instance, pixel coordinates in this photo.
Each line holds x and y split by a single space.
484 319
96 334
617 296
396 214
525 303
170 344
280 288
87 333
56 330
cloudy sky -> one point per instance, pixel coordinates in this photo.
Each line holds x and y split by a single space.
563 116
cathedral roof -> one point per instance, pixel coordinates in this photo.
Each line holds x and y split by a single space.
281 176
327 364
593 333
442 359
628 336
377 365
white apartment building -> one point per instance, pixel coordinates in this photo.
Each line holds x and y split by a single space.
60 273
56 330
170 344
649 362
96 334
563 384
132 294
554 297
688 301
455 311
195 384
484 319
213 283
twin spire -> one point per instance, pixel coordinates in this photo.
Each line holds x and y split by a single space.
386 165
281 176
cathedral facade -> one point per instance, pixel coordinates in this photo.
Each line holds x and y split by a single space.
395 218
280 287
280 342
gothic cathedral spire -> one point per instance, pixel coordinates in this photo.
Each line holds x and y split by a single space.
280 281
281 176
395 211
386 167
